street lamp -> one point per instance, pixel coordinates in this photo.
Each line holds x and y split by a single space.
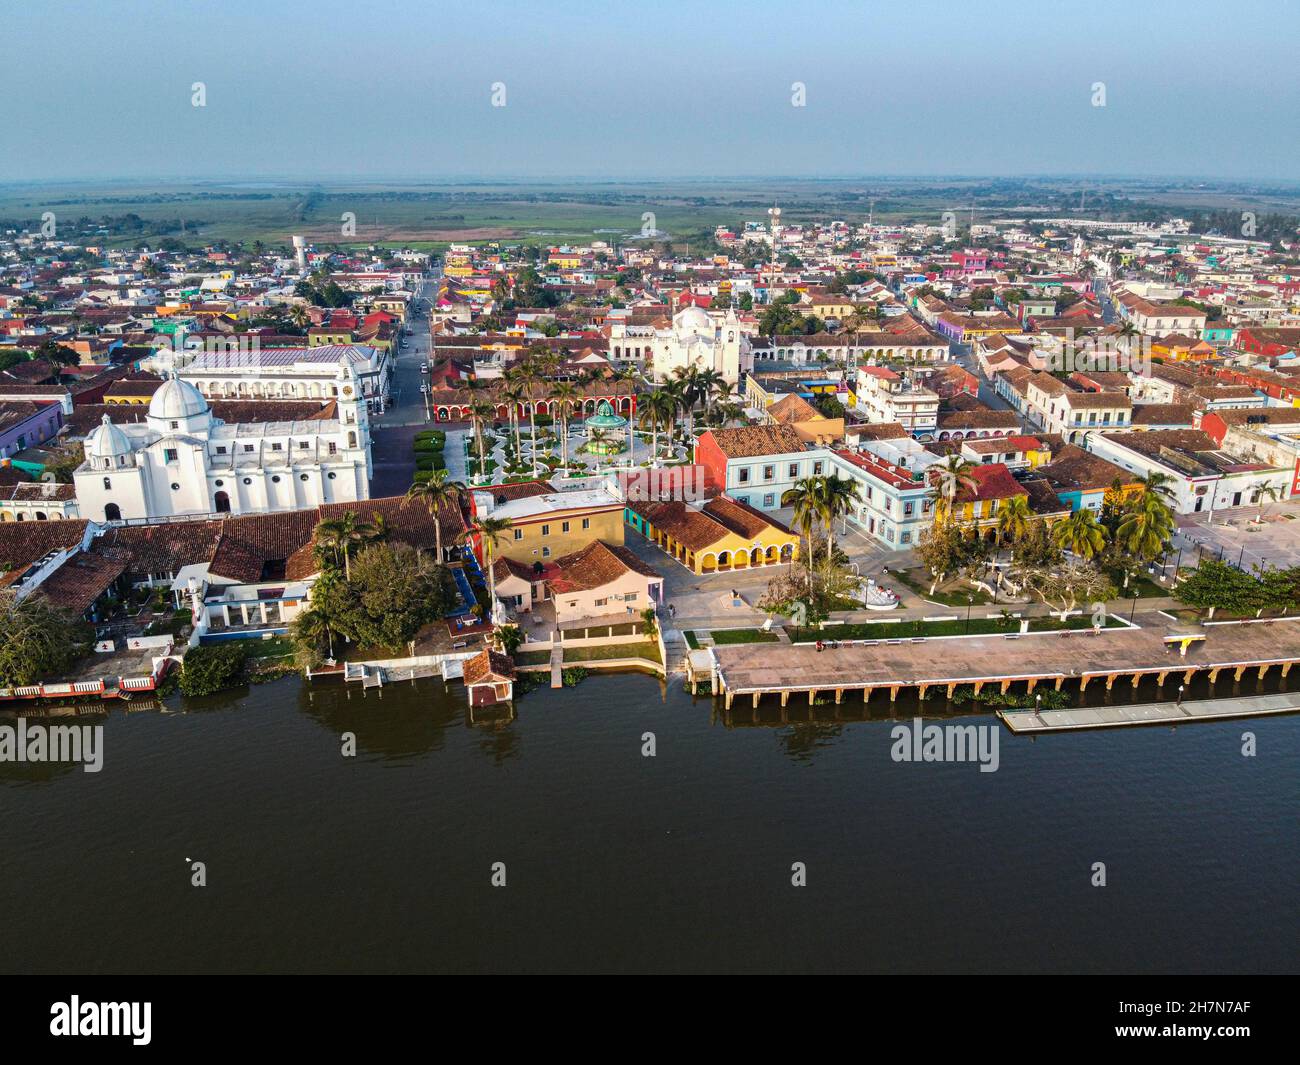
970 602
1133 610
1179 701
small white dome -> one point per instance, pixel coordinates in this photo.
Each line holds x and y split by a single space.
693 320
107 441
177 399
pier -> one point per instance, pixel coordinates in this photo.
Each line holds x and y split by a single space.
1019 662
1033 722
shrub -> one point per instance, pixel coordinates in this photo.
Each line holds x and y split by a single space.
210 667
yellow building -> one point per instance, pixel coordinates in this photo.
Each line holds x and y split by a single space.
546 524
720 537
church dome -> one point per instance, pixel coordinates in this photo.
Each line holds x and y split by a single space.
177 399
107 441
693 320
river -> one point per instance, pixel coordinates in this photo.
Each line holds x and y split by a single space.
619 862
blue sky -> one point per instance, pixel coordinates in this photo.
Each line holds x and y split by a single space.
656 89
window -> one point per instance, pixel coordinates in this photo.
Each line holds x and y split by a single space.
602 602
249 480
170 454
333 447
275 479
175 487
176 425
742 475
908 507
519 534
817 469
794 470
107 484
302 477
221 449
564 526
248 448
332 476
546 552
277 446
303 445
546 530
769 472
905 538
769 500
586 523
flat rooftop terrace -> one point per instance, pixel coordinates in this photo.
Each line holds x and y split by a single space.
757 668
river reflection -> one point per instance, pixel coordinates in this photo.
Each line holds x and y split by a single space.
618 861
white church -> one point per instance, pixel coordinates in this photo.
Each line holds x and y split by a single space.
695 339
184 461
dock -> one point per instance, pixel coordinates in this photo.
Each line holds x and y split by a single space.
1033 722
1022 662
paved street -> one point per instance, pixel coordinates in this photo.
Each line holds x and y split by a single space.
393 431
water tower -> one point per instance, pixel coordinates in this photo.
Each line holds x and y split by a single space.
300 252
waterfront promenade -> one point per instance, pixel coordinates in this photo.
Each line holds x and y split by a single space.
1084 657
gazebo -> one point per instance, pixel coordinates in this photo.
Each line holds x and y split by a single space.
606 421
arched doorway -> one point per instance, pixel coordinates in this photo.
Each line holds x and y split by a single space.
112 512
221 503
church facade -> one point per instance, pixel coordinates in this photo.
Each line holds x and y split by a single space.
182 461
695 339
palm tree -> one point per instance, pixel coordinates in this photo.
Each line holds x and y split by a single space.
437 491
527 375
677 390
952 478
1014 517
1158 482
840 495
342 535
854 323
1146 527
515 396
808 498
688 379
1080 533
332 537
1271 492
481 412
657 409
489 531
563 395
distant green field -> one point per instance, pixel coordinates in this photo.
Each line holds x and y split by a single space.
432 214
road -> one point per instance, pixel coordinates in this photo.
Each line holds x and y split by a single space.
1108 314
392 432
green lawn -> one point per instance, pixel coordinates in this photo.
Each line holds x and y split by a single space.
692 641
532 658
906 630
604 652
919 582
726 636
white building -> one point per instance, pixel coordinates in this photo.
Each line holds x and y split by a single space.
695 340
291 373
1203 478
885 396
183 461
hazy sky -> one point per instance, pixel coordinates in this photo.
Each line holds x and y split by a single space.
378 88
